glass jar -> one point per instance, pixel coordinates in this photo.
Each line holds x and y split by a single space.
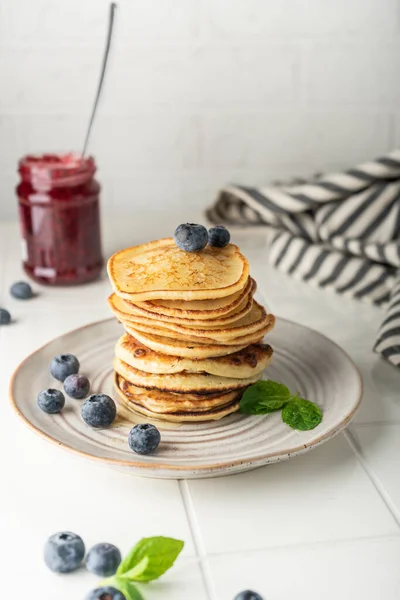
60 218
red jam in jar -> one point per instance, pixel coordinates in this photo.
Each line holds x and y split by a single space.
60 218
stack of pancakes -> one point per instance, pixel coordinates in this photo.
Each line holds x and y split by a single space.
193 330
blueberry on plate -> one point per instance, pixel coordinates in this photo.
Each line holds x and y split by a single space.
219 236
63 365
21 290
248 595
99 410
76 386
5 317
51 401
64 552
106 593
103 560
191 237
144 438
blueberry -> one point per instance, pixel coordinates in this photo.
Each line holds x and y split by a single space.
64 552
144 438
21 290
191 237
63 365
76 386
98 410
51 401
106 593
103 560
5 317
248 595
218 236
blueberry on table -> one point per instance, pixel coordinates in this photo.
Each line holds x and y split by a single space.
51 401
99 410
191 237
63 365
248 595
219 236
21 290
103 560
77 386
5 317
105 593
64 552
144 438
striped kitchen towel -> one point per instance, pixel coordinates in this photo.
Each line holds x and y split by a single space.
339 231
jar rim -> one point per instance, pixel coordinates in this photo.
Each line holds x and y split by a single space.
59 169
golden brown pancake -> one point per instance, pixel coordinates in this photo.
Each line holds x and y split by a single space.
127 311
136 329
160 401
251 323
160 270
199 309
179 416
200 383
174 347
245 363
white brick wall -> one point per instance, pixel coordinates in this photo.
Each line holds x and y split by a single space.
200 92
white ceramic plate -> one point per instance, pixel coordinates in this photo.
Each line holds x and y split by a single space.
304 360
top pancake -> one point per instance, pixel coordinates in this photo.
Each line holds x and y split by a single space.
160 270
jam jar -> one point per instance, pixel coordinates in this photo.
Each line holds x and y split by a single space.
60 218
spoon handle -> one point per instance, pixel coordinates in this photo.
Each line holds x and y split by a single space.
111 18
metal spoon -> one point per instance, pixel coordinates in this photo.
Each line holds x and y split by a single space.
113 7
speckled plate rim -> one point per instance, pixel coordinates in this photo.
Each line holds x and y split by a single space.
241 464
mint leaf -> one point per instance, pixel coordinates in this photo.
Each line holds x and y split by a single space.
161 553
301 414
264 397
137 570
126 587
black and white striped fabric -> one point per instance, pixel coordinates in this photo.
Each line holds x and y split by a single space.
340 231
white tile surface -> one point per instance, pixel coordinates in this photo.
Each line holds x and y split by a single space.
49 490
330 509
177 144
346 571
38 85
182 583
267 138
380 446
257 18
331 66
201 75
279 502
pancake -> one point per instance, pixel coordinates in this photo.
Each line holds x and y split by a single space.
181 383
199 309
127 311
159 401
180 417
167 345
243 340
255 320
242 364
160 270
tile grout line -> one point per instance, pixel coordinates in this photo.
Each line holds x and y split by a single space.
313 544
390 505
197 539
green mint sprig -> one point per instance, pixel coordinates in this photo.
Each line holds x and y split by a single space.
264 397
148 560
